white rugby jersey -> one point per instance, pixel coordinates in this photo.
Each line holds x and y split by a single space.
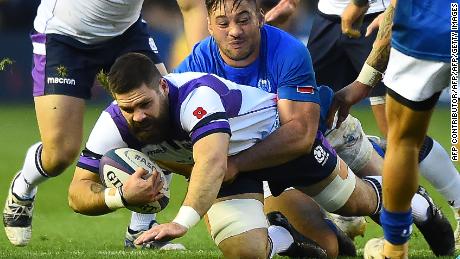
200 104
336 7
88 21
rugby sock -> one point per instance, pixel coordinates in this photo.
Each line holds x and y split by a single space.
397 226
141 221
376 183
419 208
437 168
280 238
32 173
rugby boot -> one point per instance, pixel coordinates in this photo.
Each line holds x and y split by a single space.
351 226
457 229
132 235
374 250
437 230
17 217
302 247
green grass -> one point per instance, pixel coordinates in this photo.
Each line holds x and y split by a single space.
58 232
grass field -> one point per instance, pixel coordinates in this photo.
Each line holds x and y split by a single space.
58 232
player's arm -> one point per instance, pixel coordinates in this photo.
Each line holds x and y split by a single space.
370 75
205 181
295 137
88 196
195 25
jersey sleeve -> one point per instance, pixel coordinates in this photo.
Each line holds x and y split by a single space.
103 137
296 77
201 118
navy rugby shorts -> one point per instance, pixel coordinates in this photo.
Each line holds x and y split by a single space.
65 66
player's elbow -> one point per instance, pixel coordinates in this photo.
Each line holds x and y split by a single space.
76 202
304 137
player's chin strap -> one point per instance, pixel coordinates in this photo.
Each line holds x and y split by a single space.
187 217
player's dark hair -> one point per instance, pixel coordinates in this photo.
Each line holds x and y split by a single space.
130 71
212 5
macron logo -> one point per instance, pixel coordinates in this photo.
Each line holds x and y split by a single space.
60 80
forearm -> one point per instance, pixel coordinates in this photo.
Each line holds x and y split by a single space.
87 197
205 182
379 56
294 138
194 14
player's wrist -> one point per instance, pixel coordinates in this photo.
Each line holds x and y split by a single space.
113 198
187 217
369 76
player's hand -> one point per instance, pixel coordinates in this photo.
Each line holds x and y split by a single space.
352 19
374 25
281 12
232 171
344 99
162 232
141 188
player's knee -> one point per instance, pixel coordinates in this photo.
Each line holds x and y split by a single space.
337 192
241 224
56 160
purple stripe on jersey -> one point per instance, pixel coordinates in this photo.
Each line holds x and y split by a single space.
209 127
122 126
38 37
320 137
231 98
38 74
89 162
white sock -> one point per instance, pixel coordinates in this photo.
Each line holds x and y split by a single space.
32 173
442 174
419 208
141 221
281 239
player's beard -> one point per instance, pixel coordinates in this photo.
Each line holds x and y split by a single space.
153 130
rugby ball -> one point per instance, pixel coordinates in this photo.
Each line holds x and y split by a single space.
118 164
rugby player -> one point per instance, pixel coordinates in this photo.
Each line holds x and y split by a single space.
72 42
195 112
244 50
419 42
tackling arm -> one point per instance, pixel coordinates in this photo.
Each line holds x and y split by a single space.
296 135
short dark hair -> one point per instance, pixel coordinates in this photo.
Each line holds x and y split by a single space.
130 71
212 5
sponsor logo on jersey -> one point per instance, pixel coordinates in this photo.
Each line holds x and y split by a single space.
305 89
60 80
320 155
265 85
199 112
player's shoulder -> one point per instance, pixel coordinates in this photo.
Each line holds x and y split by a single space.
282 43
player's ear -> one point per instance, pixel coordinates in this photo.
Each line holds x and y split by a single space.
164 87
261 17
209 26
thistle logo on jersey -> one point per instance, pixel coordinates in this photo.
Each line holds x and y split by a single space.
320 155
305 89
199 112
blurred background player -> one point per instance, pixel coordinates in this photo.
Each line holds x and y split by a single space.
70 46
419 42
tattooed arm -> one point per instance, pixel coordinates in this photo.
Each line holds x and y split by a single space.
369 76
86 193
88 196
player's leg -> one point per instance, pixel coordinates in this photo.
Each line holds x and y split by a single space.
60 86
414 87
305 215
238 225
